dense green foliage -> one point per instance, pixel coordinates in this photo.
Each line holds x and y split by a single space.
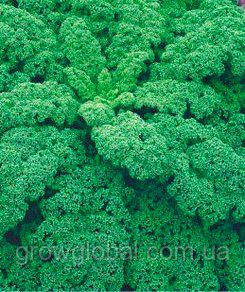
122 129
